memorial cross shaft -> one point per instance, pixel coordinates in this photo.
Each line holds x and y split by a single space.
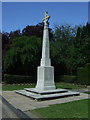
45 72
45 61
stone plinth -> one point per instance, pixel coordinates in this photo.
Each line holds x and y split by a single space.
44 92
47 96
45 78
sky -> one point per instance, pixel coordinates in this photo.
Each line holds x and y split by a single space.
17 15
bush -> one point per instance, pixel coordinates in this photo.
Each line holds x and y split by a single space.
14 79
83 74
65 78
68 78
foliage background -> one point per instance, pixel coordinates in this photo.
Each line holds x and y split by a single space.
69 47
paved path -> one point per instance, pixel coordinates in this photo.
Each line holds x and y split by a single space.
83 89
9 111
0 110
24 103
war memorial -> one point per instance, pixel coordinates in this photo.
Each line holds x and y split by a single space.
45 87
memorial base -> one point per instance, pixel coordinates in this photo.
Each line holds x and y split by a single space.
46 94
45 78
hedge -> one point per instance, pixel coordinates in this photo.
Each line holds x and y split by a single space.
68 78
14 79
65 78
83 74
83 77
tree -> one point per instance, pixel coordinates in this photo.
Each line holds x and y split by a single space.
65 32
7 39
73 46
23 57
5 42
14 34
64 44
69 49
37 30
82 44
33 31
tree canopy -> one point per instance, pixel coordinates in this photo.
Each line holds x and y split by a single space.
69 48
23 56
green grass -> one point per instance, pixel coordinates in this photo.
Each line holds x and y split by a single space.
69 86
11 87
76 109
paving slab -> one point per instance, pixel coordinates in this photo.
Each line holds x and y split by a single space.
24 103
83 89
1 89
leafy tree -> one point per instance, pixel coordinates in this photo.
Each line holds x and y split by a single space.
72 46
14 34
7 39
5 42
82 44
65 49
56 58
65 32
23 56
69 49
37 30
33 31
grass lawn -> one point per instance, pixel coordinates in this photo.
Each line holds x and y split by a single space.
6 87
69 85
22 86
75 109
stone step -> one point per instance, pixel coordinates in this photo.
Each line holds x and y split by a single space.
47 96
45 91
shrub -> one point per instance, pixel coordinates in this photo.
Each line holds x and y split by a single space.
68 78
14 79
83 74
65 78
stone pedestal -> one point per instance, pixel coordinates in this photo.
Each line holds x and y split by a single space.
45 78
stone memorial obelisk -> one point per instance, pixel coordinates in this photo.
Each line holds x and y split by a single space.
45 72
45 87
